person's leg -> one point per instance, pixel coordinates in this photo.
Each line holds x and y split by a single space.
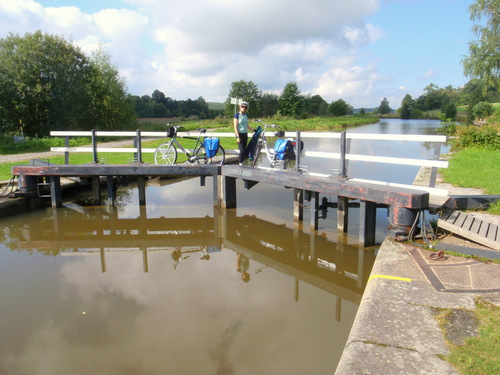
242 146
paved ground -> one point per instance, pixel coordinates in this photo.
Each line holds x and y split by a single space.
395 330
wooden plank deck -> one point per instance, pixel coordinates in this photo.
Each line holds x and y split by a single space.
470 227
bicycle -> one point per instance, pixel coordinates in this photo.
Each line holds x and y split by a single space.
280 155
166 153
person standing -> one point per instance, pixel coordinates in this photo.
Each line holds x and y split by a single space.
241 127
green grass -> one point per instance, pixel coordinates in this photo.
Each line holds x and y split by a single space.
476 168
479 355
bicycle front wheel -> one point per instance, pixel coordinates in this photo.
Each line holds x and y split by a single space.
218 158
256 154
166 153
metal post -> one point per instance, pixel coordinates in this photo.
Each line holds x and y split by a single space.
94 147
367 225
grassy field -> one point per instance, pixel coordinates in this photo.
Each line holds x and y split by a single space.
476 168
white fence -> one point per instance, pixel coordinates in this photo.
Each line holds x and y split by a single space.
343 155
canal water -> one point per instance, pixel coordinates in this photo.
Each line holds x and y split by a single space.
178 287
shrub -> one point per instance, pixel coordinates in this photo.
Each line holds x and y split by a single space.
473 136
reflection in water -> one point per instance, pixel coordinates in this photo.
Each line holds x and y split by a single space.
153 295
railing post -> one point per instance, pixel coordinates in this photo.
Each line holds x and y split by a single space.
66 153
343 149
298 149
434 170
94 147
138 155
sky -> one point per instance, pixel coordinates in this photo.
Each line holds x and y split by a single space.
360 51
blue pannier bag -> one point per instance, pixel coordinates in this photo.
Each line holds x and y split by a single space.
282 148
211 146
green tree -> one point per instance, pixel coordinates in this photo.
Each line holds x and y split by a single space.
339 108
110 106
483 61
290 100
269 105
47 83
406 107
247 91
384 107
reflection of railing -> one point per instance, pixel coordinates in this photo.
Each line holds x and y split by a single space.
337 268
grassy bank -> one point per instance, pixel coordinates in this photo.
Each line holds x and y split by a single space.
476 168
479 355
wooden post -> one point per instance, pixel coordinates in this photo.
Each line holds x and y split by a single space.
437 154
96 190
111 191
229 192
367 223
66 153
141 185
94 147
342 214
314 210
55 191
298 205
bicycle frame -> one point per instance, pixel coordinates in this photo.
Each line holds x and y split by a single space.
268 150
166 153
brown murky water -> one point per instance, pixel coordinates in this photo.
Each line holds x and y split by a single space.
161 290
178 287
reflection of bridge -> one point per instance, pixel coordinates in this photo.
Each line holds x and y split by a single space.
337 268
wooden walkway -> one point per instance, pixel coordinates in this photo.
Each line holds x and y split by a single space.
470 227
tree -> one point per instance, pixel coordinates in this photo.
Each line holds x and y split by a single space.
406 107
269 104
339 108
110 106
247 91
290 100
47 83
483 61
384 108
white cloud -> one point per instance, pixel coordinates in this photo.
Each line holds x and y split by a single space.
188 48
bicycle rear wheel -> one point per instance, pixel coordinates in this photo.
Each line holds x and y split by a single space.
218 158
166 153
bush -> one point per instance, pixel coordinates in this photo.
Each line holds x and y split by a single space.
476 137
482 110
448 126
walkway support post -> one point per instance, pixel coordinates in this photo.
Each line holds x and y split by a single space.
229 192
298 205
367 224
342 214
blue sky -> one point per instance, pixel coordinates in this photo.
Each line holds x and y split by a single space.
357 50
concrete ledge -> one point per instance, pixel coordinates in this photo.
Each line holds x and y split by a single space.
394 331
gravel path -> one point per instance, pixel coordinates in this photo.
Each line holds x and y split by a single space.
47 154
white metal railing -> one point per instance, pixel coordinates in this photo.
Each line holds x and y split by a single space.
344 155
